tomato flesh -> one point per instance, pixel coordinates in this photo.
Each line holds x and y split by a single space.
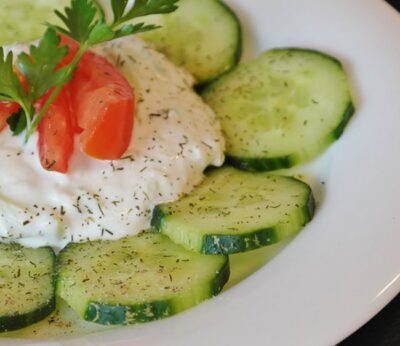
58 126
104 104
56 134
73 48
98 105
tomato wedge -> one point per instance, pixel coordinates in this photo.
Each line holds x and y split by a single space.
6 110
73 48
98 105
104 104
58 126
56 134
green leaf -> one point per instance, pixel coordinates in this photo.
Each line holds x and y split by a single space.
39 68
84 21
17 122
11 88
130 29
118 8
148 7
58 29
79 19
101 32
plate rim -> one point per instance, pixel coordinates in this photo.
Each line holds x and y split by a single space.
388 290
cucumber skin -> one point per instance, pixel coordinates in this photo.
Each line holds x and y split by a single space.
11 323
235 57
232 244
283 162
107 314
239 48
347 115
231 63
217 244
260 164
208 86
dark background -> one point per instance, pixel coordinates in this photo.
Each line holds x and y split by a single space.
384 329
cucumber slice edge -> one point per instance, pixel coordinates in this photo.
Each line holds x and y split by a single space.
272 162
216 243
16 321
110 311
261 164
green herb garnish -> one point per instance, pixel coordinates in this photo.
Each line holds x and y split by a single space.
85 22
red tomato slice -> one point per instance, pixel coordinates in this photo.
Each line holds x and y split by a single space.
104 105
58 126
6 110
98 103
56 134
73 48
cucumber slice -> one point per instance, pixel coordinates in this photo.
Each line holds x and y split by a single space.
282 109
202 36
136 279
26 285
235 211
23 20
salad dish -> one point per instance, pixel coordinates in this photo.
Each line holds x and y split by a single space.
138 154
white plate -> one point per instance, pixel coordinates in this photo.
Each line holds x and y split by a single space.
345 266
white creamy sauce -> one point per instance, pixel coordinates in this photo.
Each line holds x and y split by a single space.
176 136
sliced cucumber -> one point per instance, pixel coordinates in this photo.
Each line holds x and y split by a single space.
282 109
235 211
136 279
23 20
202 36
26 285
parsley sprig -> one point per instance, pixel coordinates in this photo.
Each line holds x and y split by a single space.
85 22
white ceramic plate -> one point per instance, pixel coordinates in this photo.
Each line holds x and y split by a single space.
345 266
